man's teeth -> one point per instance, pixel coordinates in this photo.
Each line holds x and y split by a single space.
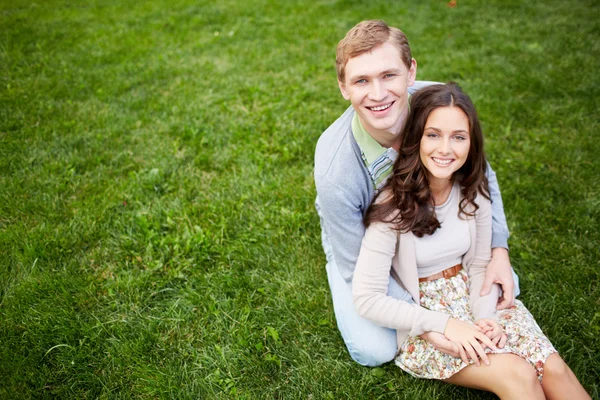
381 108
443 162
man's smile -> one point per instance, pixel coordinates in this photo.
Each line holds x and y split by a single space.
381 108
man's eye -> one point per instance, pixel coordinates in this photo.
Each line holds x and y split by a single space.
389 75
361 81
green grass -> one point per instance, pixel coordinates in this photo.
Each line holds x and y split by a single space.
157 231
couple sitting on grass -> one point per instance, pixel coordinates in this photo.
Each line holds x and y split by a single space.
415 235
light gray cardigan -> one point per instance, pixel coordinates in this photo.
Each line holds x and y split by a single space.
383 247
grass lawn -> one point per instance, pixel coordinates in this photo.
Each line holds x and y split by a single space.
157 231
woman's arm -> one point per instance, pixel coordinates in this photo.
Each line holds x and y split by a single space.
370 282
369 289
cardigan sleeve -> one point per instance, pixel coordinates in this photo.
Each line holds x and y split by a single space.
370 283
482 307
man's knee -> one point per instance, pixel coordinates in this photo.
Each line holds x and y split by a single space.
371 354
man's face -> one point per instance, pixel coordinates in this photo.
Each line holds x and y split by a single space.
376 83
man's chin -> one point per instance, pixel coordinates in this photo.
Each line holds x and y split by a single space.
386 126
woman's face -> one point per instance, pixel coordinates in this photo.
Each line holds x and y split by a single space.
445 143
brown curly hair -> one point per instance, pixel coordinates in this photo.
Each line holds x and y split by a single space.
406 199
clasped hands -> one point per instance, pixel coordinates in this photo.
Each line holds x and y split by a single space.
468 341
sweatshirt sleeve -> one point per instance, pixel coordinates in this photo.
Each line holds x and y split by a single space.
500 231
341 217
370 283
482 307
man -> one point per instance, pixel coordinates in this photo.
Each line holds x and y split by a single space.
354 158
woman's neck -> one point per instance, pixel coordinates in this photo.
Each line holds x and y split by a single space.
440 190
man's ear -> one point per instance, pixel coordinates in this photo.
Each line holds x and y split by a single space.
342 87
412 72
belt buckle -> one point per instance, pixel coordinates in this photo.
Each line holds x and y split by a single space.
447 273
450 272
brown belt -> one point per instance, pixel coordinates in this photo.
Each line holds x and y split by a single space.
447 273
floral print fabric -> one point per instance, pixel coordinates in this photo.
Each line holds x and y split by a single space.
524 337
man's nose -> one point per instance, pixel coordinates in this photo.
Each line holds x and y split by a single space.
378 91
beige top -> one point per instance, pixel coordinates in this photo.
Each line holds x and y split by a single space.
384 251
450 242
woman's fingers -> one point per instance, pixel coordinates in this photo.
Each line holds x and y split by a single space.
480 352
463 354
485 341
472 353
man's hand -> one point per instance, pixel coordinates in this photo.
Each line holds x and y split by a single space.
441 343
499 271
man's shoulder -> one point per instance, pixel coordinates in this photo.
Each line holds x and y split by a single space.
339 167
337 148
421 84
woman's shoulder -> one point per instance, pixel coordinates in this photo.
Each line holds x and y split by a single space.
481 201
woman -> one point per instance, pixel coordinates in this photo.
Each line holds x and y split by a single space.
432 223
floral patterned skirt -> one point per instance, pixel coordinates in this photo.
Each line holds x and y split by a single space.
525 338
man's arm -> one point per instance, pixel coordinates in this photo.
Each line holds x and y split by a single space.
499 226
341 219
499 269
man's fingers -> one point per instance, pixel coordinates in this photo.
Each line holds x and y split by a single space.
502 342
505 302
508 296
495 340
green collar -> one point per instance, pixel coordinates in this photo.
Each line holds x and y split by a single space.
369 146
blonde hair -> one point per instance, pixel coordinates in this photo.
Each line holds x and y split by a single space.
365 36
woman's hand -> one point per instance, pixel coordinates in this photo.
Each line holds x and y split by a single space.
469 339
441 343
492 330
